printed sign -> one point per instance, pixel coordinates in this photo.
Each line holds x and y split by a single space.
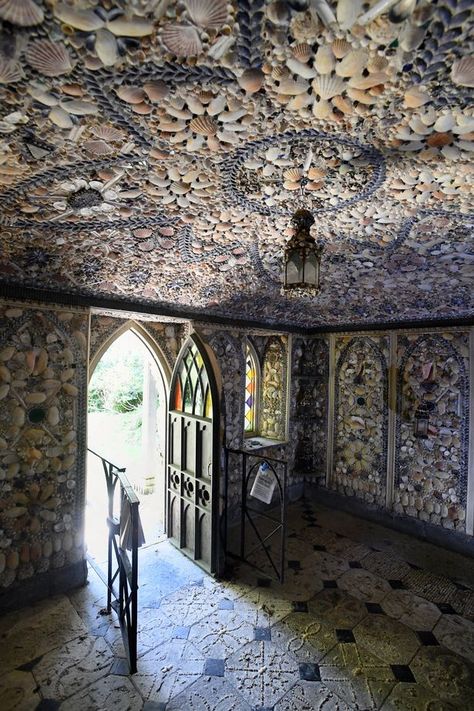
264 484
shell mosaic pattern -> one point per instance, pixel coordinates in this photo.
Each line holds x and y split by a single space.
42 371
154 152
311 375
432 472
360 420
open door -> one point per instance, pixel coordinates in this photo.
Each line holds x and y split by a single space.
193 464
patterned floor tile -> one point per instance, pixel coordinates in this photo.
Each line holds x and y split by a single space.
191 603
361 679
266 604
111 692
301 585
35 630
457 634
155 628
209 694
385 565
389 639
430 586
412 610
168 670
325 565
414 697
304 636
18 690
345 548
337 608
70 668
450 676
364 585
311 696
222 633
262 672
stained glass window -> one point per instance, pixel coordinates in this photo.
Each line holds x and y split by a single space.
251 374
192 392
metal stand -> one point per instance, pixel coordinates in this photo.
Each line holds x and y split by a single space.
124 600
276 512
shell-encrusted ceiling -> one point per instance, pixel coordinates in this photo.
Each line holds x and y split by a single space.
154 151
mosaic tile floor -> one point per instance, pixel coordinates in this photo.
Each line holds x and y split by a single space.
364 621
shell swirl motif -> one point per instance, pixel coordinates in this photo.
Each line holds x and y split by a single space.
49 58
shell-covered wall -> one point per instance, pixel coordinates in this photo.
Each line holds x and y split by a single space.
431 476
274 389
360 426
310 377
43 357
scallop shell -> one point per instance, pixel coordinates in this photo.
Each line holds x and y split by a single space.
131 94
353 63
324 60
293 175
24 13
204 126
108 133
210 14
98 148
462 72
182 40
302 52
10 71
340 48
328 86
48 58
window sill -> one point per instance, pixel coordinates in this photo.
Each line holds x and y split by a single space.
255 443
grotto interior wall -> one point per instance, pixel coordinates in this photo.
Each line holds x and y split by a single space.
43 391
375 465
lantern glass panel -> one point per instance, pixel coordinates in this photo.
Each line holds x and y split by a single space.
294 268
311 269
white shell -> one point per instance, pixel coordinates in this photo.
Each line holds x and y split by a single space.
106 47
85 20
324 60
136 27
353 63
328 86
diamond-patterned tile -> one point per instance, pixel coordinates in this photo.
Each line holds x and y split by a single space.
457 634
303 636
221 633
167 670
389 639
262 672
364 585
411 609
358 677
311 696
446 673
210 693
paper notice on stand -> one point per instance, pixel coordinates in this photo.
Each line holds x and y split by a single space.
264 484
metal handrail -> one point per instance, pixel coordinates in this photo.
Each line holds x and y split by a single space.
124 600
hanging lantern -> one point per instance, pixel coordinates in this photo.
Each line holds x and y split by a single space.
422 419
302 256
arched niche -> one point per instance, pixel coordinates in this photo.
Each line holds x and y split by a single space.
360 421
